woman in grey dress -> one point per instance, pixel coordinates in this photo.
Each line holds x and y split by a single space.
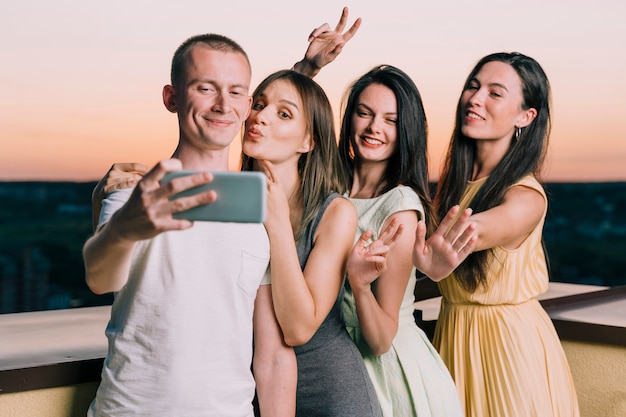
290 136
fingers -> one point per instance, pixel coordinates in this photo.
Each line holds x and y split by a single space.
353 29
155 193
420 235
462 219
376 249
183 183
185 203
419 247
270 172
459 226
266 167
318 31
150 210
469 247
139 168
342 24
135 167
466 242
120 176
365 236
128 182
447 222
392 232
166 193
379 246
342 20
156 174
380 260
339 28
391 242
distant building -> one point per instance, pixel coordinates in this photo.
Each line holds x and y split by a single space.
24 280
8 284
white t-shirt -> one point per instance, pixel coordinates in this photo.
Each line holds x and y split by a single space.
180 334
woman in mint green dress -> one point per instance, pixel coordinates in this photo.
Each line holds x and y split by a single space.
383 150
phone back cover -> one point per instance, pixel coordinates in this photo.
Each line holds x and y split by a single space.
241 198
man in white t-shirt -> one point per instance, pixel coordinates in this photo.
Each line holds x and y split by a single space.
189 296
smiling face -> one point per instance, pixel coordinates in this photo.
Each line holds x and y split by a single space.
374 123
492 104
276 129
212 100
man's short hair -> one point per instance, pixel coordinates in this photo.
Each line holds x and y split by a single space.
210 40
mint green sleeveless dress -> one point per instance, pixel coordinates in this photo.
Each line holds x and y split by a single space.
410 379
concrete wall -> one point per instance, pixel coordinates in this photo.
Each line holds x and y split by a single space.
70 401
599 373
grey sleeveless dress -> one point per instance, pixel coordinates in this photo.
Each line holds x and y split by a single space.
332 378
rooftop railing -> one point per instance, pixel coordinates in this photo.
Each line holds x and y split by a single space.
50 361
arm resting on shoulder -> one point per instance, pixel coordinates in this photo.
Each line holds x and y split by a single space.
119 176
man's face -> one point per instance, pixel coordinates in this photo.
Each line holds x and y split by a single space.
213 100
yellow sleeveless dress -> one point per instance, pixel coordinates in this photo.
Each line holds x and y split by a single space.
499 343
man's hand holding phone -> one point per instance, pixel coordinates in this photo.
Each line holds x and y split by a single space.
150 209
170 198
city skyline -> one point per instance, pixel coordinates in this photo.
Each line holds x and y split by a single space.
82 82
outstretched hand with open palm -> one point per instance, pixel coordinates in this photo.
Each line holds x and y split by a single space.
447 247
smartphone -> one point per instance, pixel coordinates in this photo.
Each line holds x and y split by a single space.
241 197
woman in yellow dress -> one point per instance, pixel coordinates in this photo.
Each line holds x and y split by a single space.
497 341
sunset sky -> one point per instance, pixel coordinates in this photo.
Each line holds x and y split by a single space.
81 80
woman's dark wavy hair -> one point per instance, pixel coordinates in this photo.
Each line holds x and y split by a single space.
524 156
408 165
319 169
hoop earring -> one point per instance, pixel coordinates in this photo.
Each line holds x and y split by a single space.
518 133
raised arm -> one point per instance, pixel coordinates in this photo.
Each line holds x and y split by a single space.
378 299
325 45
274 363
147 213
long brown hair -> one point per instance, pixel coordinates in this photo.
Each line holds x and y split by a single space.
524 156
319 169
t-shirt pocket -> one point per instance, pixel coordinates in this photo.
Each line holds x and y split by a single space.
251 273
